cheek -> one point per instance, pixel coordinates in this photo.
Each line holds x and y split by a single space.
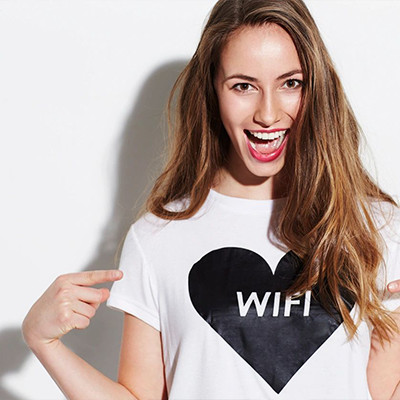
234 110
291 104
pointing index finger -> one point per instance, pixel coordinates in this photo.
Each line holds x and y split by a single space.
394 286
88 278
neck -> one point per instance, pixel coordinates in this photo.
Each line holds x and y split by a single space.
258 188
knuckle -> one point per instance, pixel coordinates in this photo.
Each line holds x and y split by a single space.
64 293
66 304
65 315
61 279
111 274
91 277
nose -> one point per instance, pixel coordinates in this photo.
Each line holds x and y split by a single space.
268 110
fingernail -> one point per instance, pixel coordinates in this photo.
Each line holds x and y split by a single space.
392 286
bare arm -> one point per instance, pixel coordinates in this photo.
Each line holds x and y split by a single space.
68 304
141 367
75 377
383 369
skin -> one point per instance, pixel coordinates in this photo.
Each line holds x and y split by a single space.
70 303
265 53
383 371
65 305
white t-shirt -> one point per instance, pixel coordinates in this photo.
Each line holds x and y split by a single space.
213 285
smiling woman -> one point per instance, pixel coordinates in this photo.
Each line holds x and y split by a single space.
258 85
265 136
257 268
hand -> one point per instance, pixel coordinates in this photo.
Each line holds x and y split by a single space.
65 305
394 286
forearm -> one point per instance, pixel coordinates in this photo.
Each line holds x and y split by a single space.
77 379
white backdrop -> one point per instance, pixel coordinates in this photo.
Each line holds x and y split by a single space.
82 89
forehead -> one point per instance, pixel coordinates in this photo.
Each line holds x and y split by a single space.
267 48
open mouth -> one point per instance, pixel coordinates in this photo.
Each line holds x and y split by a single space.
266 143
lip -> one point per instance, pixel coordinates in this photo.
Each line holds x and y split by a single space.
270 157
267 130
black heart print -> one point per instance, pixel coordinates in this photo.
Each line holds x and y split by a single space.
235 292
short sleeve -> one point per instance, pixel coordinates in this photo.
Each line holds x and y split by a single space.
135 293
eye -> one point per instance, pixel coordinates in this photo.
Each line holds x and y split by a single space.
242 87
293 84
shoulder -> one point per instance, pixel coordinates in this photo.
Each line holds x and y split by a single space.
150 227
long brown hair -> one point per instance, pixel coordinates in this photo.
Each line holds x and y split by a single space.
327 220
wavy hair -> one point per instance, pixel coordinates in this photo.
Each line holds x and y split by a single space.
327 221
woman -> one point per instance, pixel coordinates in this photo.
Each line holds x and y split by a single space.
256 267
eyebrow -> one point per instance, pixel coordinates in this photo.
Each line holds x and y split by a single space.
252 79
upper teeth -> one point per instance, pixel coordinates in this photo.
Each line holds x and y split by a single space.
268 136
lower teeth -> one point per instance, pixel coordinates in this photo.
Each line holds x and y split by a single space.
266 145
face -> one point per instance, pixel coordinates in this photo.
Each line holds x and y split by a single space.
258 85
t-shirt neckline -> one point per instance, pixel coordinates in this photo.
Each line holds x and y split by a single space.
248 205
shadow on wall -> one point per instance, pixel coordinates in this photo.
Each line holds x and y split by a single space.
14 353
139 163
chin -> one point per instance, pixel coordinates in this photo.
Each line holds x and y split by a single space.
266 170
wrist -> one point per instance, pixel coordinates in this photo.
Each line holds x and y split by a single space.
35 343
40 348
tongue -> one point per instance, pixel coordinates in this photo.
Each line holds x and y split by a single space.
265 146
